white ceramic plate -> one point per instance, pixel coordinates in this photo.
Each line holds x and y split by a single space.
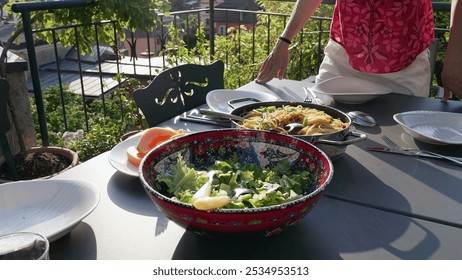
219 99
118 156
433 127
350 90
51 207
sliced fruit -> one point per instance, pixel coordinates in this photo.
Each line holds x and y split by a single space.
152 137
134 157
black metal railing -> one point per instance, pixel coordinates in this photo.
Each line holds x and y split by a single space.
156 44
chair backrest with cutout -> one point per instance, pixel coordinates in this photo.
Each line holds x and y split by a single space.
177 90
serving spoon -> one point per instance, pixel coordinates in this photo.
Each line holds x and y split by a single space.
293 127
362 118
238 191
357 117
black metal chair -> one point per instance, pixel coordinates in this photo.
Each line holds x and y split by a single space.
5 127
177 90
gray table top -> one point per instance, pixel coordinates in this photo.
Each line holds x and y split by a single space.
127 225
378 206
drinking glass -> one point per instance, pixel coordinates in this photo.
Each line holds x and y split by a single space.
24 246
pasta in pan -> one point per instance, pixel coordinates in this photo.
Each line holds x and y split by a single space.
316 122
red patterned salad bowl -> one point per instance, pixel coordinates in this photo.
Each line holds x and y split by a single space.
193 180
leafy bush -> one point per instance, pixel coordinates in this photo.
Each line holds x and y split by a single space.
102 136
108 119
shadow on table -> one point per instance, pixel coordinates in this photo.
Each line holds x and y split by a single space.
354 182
332 230
336 228
128 193
79 244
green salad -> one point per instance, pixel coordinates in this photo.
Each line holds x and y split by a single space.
215 187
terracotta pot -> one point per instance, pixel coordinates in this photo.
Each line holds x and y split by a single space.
71 155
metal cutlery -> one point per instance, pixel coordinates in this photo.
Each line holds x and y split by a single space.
216 114
312 97
197 119
395 148
406 153
307 95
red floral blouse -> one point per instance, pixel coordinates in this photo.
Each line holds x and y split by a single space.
382 36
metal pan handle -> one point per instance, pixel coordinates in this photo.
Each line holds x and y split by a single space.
240 100
357 137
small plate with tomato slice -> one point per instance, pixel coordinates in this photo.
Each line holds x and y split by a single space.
127 155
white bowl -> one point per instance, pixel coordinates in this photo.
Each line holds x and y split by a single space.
432 127
225 100
350 90
50 207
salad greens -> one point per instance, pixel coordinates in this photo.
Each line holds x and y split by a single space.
269 186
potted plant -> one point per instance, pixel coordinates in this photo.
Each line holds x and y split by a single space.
33 163
131 17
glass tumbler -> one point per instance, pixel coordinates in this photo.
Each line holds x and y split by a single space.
24 246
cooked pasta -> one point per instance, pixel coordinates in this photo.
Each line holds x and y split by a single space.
315 121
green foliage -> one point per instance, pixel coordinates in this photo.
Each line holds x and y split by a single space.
243 49
122 105
442 22
55 113
131 15
108 120
102 136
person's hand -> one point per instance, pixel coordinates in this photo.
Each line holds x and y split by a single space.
275 64
452 75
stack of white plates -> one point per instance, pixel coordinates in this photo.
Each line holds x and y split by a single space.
350 90
225 100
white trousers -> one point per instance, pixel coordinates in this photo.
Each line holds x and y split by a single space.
413 80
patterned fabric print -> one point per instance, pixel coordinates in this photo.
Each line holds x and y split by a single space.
382 36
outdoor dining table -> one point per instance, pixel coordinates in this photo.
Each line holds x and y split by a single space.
377 206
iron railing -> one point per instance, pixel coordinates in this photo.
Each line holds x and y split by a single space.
146 69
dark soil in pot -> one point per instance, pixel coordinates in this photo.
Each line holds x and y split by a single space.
34 165
41 162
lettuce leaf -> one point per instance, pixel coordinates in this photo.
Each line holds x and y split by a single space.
269 186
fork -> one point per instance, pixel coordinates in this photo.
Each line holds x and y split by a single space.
395 146
307 95
312 97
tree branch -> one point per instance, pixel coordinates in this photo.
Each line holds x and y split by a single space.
6 48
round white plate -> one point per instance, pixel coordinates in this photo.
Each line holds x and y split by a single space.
118 156
350 90
50 207
225 100
433 127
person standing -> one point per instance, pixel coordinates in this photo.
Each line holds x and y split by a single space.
383 41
